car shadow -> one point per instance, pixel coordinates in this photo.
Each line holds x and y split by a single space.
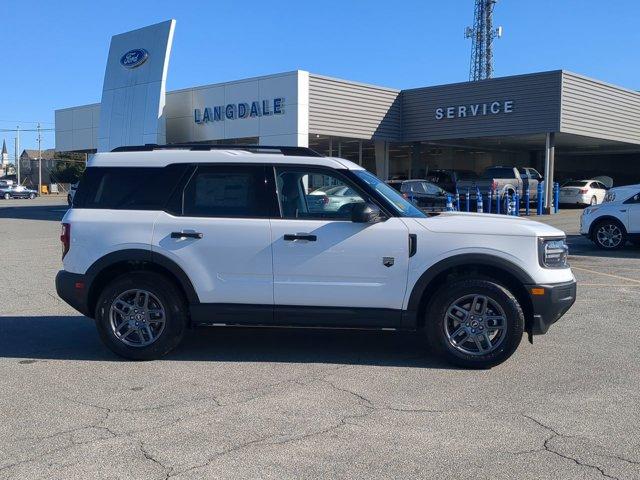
53 213
35 338
580 246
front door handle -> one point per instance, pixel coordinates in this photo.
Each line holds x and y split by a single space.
186 235
289 237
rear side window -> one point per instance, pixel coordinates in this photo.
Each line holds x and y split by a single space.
228 191
499 172
128 188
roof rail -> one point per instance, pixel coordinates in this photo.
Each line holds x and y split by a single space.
287 151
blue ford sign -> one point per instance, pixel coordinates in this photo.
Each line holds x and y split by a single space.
134 58
231 111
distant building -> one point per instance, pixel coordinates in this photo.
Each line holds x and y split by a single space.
4 160
29 166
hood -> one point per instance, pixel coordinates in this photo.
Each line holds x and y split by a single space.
487 224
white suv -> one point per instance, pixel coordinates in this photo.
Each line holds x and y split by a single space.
616 220
161 239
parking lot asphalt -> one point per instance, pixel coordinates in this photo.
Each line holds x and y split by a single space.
259 403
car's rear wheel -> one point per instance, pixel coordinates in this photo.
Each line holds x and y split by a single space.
141 316
474 323
594 201
7 196
32 196
609 235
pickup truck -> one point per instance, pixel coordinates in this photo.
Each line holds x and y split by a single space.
504 180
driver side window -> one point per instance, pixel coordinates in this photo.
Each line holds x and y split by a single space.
306 193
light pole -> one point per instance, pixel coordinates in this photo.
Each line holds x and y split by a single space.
17 153
39 161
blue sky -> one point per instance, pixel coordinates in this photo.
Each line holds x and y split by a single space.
53 52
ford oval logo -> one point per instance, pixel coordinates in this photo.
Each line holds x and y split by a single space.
134 58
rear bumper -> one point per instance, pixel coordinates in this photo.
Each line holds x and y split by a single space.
72 288
551 305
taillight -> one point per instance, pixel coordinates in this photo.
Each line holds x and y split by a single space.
325 200
583 190
65 238
404 195
494 185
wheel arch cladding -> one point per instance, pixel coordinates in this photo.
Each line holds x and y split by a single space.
117 263
502 271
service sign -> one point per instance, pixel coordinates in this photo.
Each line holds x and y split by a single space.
134 58
475 110
233 111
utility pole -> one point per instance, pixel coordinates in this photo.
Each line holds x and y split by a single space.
17 152
39 161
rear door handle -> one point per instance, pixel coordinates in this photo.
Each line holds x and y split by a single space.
186 235
289 237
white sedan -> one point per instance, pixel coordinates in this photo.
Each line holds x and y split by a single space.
583 192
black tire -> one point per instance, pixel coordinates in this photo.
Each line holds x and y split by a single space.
594 201
7 196
32 196
609 225
170 298
437 316
69 200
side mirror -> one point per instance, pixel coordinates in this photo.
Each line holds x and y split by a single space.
365 213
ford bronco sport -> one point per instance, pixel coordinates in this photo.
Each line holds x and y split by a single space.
165 238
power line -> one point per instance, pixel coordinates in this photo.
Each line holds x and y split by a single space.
27 130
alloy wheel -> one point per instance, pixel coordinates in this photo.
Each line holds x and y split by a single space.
475 324
609 235
137 318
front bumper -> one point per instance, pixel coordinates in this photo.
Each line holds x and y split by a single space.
72 288
549 306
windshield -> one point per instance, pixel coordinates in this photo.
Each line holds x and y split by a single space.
394 199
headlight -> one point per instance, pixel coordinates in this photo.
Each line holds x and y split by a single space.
553 252
610 197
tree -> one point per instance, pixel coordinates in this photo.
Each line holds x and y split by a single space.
67 171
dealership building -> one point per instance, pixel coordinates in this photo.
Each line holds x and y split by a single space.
559 122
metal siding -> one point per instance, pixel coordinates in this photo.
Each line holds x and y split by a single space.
349 109
596 109
536 108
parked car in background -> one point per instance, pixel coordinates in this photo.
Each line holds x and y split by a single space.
425 195
448 179
616 220
72 192
331 199
17 191
582 192
503 181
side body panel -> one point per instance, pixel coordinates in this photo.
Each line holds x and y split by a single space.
96 233
344 266
232 261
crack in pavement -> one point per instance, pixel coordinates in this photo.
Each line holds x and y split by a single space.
547 448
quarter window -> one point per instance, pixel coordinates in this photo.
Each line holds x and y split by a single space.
127 188
227 191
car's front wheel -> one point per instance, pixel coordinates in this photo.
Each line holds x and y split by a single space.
7 196
609 235
141 316
32 196
474 323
